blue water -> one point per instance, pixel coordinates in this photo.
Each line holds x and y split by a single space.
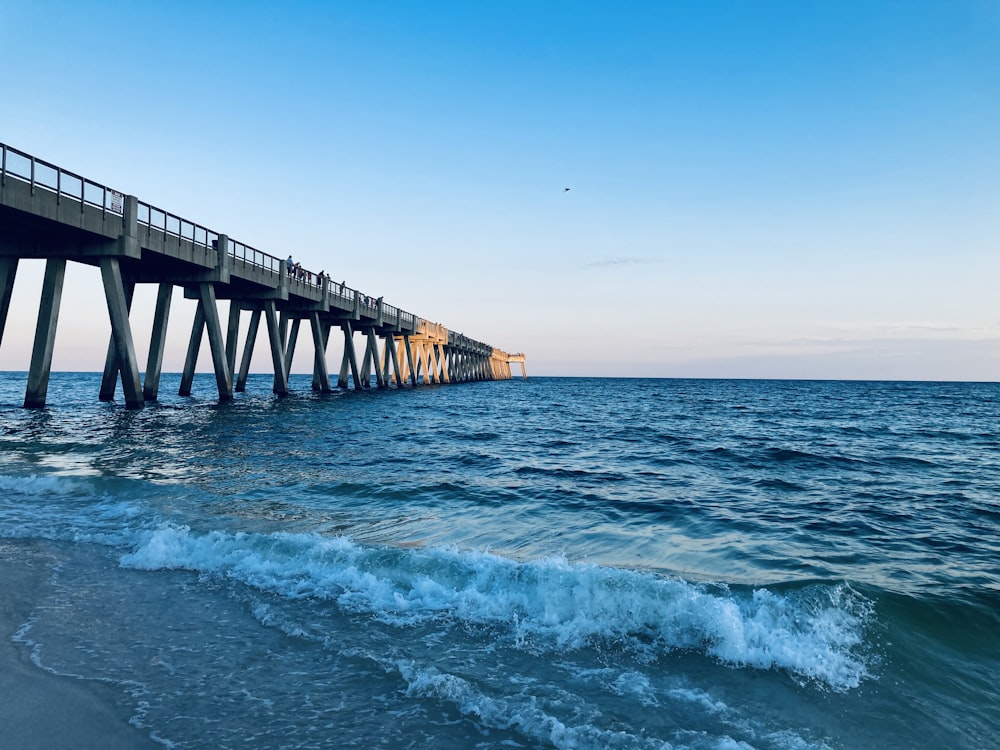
557 562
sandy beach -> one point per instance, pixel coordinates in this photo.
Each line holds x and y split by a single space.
43 710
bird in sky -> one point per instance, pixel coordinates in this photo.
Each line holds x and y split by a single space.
565 190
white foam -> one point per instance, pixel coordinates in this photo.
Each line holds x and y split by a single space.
550 604
42 485
64 508
516 712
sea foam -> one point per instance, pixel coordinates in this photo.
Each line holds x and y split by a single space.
814 633
65 508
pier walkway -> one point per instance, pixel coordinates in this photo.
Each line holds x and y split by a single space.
50 213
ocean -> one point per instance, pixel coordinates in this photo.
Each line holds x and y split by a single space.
549 563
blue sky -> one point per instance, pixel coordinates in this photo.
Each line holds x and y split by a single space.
758 189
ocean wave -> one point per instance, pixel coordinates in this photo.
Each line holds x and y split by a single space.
814 633
523 713
35 484
65 508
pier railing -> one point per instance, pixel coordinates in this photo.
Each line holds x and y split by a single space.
43 175
174 226
253 256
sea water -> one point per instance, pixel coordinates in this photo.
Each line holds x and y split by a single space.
557 562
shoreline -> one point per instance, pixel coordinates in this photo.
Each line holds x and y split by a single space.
41 709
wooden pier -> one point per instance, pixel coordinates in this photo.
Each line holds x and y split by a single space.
49 213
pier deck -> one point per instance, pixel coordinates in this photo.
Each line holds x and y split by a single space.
49 213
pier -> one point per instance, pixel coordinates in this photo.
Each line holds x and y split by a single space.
49 213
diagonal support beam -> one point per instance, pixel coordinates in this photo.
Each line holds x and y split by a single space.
232 334
223 375
277 349
392 361
320 373
325 337
194 344
119 300
409 359
241 381
373 349
8 270
45 333
157 342
293 337
350 359
112 363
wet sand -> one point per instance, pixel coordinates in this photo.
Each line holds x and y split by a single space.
39 709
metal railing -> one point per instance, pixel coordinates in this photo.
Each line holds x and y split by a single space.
254 257
41 174
174 226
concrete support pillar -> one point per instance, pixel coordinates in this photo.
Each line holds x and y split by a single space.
319 358
344 366
157 343
318 378
391 358
232 334
384 360
373 349
293 337
418 361
109 381
425 355
401 357
8 270
223 375
277 349
194 344
283 329
435 363
394 355
206 316
443 362
241 381
119 300
45 333
409 360
366 362
350 359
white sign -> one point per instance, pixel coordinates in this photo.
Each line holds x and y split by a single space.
117 201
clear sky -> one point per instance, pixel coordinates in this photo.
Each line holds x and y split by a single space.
758 189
